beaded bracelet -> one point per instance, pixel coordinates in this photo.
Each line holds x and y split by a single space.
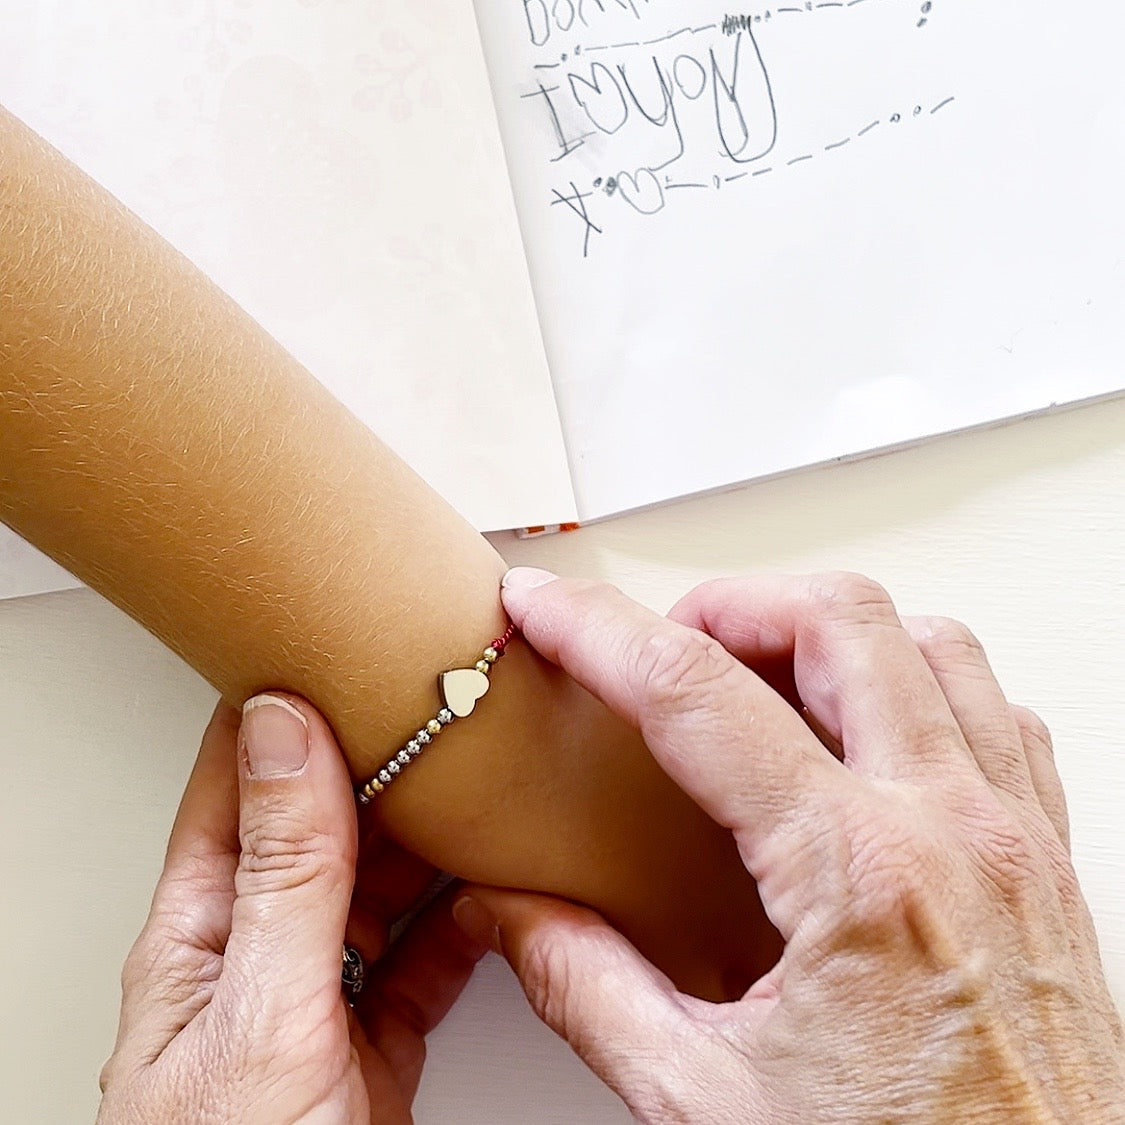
460 689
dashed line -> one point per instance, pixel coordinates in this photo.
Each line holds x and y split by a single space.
788 10
658 39
665 38
847 140
766 171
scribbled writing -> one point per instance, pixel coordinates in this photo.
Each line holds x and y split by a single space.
547 19
644 102
636 114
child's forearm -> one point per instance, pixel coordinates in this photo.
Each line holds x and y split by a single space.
161 446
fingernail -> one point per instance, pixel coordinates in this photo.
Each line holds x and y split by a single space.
477 922
276 737
526 578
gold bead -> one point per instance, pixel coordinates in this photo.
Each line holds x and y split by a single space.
491 655
434 726
373 787
483 666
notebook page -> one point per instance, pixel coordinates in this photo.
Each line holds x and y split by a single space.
337 168
767 237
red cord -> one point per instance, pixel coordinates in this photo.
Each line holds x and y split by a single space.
501 643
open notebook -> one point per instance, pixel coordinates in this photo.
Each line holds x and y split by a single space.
573 257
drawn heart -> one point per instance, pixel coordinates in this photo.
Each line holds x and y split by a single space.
642 191
461 689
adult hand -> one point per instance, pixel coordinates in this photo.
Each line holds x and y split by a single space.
940 963
232 1008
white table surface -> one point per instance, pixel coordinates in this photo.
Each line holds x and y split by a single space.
1019 531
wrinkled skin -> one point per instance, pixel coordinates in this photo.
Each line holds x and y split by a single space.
940 963
232 1009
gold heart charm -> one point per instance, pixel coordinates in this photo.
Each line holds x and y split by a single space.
461 689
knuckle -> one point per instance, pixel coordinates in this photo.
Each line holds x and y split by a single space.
555 990
666 1091
1049 823
545 980
1033 730
1059 818
165 961
1003 851
1004 762
283 853
134 970
192 876
952 641
852 598
1070 891
1008 857
107 1072
672 666
147 955
932 742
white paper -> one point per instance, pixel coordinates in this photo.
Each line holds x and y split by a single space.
25 571
767 240
337 168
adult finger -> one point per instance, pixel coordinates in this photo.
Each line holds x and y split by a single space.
206 824
774 667
721 734
857 670
410 989
960 666
389 882
297 828
619 1014
773 664
189 921
1039 747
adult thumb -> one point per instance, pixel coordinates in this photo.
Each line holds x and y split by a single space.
297 830
621 1015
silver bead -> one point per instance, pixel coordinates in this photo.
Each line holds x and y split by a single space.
363 798
402 757
385 777
434 726
445 716
483 666
393 766
414 748
423 736
491 655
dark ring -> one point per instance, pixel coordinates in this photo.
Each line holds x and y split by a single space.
351 976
